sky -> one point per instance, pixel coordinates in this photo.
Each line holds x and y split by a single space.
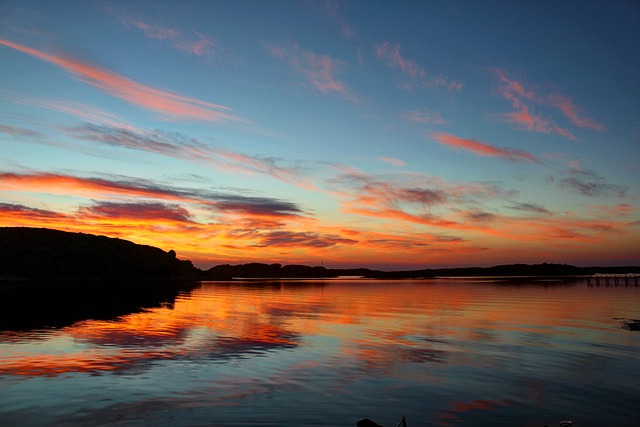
381 134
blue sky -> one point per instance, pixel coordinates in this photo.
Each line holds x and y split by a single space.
355 133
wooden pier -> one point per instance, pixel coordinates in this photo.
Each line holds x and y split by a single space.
614 279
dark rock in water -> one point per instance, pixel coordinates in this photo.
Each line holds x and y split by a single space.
366 422
629 324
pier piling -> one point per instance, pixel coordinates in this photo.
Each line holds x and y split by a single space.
614 279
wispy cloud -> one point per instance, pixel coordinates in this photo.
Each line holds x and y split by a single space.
28 214
589 184
136 211
180 146
168 144
81 111
572 112
18 131
319 70
171 105
417 75
393 161
106 189
391 54
333 8
530 207
535 123
259 207
412 198
303 239
481 148
523 99
194 43
425 116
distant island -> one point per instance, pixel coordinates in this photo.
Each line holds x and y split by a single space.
28 254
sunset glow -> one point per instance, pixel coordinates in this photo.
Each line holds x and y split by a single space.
400 136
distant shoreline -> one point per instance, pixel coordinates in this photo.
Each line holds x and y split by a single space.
28 254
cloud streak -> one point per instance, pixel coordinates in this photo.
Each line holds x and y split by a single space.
589 184
481 148
391 55
177 145
571 111
20 132
524 99
427 116
411 198
303 239
137 211
199 44
169 104
319 70
108 189
531 207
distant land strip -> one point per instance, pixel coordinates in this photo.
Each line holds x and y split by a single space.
28 254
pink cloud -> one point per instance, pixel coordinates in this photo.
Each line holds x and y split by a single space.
390 53
200 45
514 90
481 148
169 104
82 111
393 161
333 9
537 124
426 116
523 99
570 110
319 70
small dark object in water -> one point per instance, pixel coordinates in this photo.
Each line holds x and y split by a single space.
563 424
629 324
366 422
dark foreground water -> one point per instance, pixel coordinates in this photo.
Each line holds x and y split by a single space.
323 353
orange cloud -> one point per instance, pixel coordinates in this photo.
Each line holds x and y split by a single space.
169 104
514 90
100 188
537 124
481 148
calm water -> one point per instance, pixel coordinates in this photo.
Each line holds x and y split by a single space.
323 353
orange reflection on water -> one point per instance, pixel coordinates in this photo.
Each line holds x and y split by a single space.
377 325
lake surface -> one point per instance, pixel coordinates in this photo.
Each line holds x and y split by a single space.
442 352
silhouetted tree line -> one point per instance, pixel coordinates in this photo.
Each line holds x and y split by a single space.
40 253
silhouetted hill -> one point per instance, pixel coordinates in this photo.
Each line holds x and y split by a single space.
40 253
265 271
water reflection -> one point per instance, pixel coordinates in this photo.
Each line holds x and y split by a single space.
441 352
59 304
